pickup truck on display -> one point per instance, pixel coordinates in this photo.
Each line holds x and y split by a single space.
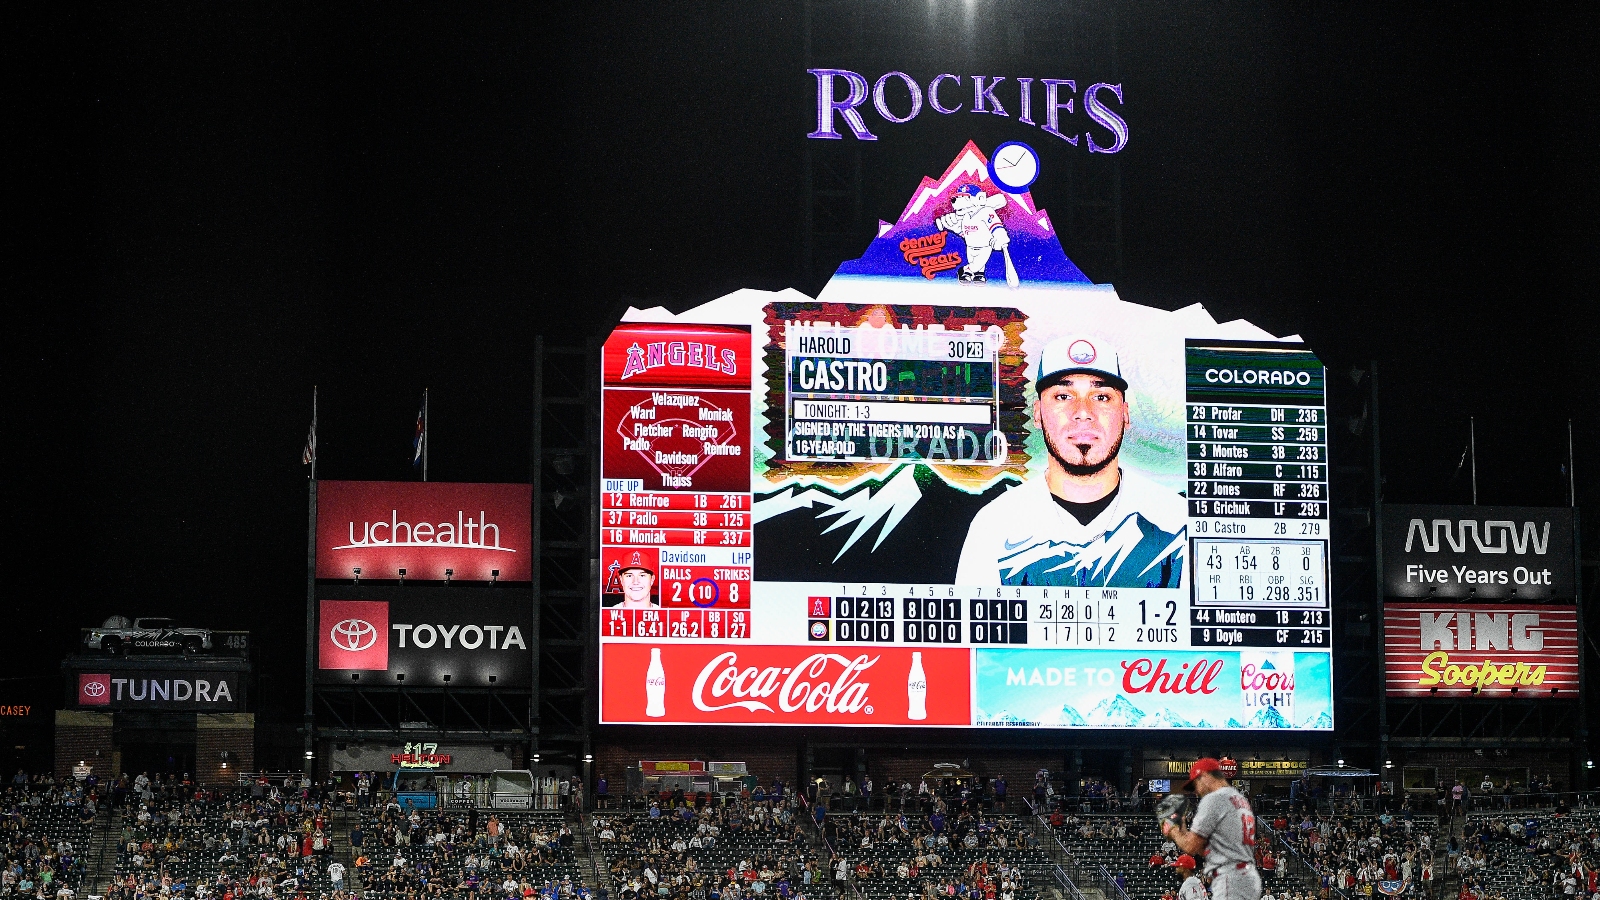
120 635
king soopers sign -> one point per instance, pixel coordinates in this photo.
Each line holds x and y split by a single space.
897 98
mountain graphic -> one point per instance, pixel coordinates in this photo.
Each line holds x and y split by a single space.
1322 720
1134 554
1069 716
1116 712
1035 248
1203 724
1234 723
1268 717
1169 719
906 525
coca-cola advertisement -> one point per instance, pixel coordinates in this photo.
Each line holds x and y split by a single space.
798 685
435 531
1173 689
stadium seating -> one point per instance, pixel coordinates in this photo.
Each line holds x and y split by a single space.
993 856
1526 855
755 848
210 838
44 836
451 852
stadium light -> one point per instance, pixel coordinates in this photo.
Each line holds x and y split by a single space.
309 754
494 576
357 571
399 676
402 574
1388 764
1341 762
491 679
355 676
449 574
1589 764
447 678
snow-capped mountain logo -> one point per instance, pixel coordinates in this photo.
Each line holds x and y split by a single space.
1116 712
1134 554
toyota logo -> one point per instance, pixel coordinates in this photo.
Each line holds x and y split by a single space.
353 635
94 688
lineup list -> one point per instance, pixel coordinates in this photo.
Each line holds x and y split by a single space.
1257 442
675 502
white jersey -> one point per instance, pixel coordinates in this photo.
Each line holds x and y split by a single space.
1193 889
977 227
1024 537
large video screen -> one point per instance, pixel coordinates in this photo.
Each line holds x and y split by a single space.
964 486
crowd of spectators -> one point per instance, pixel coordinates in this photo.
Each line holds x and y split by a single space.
414 854
953 851
45 833
180 840
1356 853
1529 855
752 847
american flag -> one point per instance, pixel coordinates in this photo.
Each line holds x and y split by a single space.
419 441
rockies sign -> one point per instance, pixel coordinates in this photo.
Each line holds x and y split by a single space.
1478 552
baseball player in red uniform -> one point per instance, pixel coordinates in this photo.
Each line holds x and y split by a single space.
1224 829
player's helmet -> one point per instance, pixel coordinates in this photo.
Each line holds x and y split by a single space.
638 563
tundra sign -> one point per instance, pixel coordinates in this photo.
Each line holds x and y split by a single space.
1478 552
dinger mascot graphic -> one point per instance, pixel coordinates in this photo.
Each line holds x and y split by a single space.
975 219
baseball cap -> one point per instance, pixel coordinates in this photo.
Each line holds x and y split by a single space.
638 563
1201 767
969 189
1184 862
1081 353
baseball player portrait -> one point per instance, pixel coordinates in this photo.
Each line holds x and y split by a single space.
1090 521
1224 829
638 583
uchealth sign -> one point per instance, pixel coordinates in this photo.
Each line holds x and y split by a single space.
381 527
741 684
199 691
1438 649
1478 552
468 634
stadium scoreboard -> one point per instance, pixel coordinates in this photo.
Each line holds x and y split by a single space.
850 510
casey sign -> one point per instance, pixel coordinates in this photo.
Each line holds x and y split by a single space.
1439 649
425 528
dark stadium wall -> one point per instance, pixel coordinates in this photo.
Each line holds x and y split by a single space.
84 736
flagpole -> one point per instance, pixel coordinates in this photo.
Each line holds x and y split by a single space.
1572 475
1472 438
311 590
425 441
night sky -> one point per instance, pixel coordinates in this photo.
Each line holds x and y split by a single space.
214 208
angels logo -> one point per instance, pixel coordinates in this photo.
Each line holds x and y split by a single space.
678 353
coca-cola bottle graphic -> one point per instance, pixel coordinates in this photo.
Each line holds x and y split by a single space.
917 689
655 686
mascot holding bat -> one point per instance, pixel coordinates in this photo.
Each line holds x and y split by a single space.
976 220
